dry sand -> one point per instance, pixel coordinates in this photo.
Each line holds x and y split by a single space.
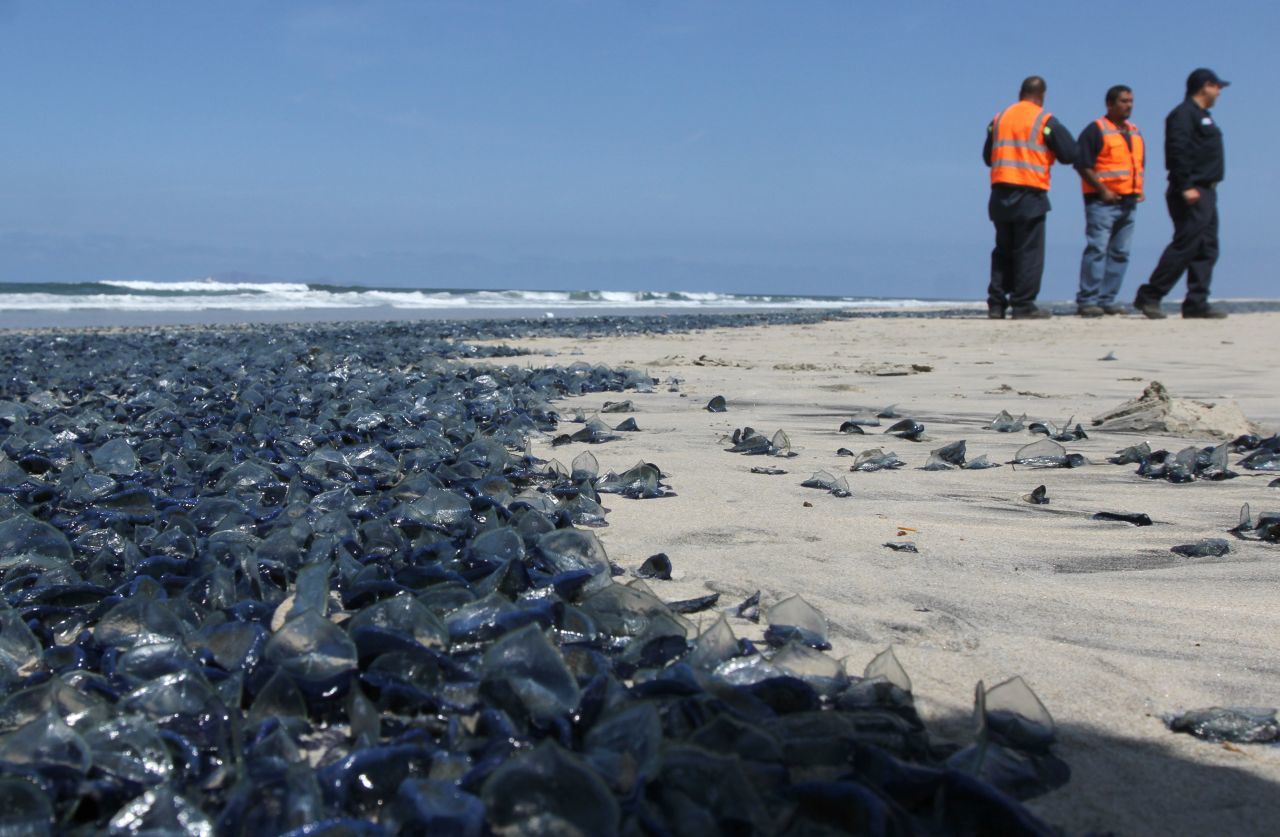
1111 629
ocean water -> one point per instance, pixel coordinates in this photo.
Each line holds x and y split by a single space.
51 304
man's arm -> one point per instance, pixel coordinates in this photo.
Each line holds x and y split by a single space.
1088 147
986 148
1060 141
1177 152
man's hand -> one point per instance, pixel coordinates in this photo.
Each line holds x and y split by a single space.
1108 196
1141 197
1191 195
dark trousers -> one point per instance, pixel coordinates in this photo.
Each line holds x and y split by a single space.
1017 263
1194 250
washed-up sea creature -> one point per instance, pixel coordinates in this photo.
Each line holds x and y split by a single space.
694 605
875 459
1245 442
1205 548
1039 496
762 469
981 463
908 429
1066 434
1109 356
1265 528
1188 465
946 457
1244 522
749 608
838 486
853 427
618 407
749 441
641 481
902 546
595 432
794 619
1015 738
1005 423
655 566
1133 454
889 412
1136 518
627 425
1262 459
717 405
1047 453
1234 724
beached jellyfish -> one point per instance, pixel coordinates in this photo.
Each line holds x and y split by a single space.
1133 454
1015 734
795 619
549 791
316 653
908 429
1205 548
655 566
821 671
713 646
527 676
1047 453
876 459
435 806
1240 725
115 458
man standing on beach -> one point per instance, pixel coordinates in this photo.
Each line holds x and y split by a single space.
1110 161
1022 143
1193 154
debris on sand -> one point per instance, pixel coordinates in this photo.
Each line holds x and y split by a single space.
1239 725
1156 411
1205 548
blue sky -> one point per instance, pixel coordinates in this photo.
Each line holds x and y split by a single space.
816 147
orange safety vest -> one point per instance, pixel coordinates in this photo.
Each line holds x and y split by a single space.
1019 156
1119 167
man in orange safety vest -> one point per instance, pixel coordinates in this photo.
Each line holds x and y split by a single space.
1111 162
1023 142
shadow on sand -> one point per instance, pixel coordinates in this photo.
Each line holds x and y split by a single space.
1166 783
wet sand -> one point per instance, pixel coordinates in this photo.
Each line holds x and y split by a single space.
1109 627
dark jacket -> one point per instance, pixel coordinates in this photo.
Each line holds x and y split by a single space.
1193 151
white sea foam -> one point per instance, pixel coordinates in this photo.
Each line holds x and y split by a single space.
210 294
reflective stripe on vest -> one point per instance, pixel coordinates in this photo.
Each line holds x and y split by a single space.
1019 155
1120 164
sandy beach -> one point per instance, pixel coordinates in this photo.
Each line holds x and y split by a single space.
1110 628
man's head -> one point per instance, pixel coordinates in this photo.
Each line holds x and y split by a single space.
1119 103
1033 89
1204 86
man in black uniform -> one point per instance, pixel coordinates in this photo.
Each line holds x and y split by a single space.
1193 155
1018 212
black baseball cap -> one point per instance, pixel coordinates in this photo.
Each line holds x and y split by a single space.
1200 77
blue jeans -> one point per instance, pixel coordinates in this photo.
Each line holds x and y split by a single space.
1108 229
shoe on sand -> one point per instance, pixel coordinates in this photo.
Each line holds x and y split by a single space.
1033 313
1205 314
1112 310
995 313
1150 310
1090 311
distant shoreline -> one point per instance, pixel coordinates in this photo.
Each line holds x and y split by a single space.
27 320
